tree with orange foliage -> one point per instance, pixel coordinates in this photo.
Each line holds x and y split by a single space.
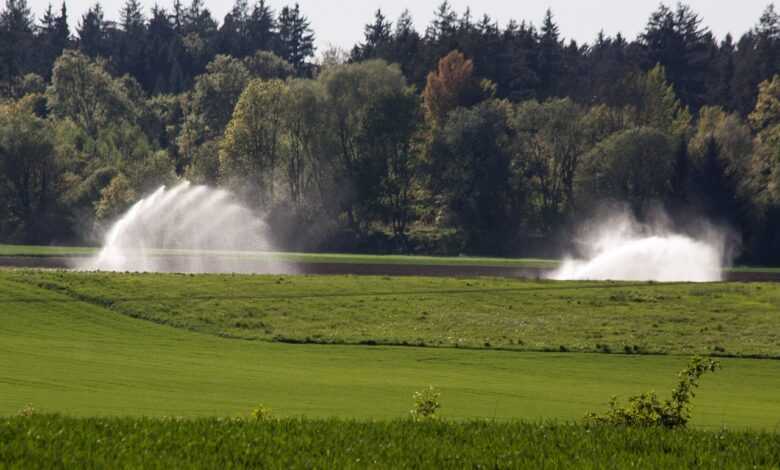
451 85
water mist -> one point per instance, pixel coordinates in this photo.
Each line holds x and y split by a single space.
621 249
187 228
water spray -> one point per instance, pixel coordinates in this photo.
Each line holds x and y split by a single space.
187 228
620 249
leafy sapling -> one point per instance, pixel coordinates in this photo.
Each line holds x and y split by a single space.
426 404
646 409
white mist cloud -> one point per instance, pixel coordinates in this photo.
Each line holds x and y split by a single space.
194 229
621 249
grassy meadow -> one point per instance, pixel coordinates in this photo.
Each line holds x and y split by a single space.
732 319
66 352
163 371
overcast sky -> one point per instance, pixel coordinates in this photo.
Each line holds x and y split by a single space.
341 22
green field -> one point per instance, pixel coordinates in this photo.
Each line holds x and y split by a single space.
56 442
65 354
722 319
49 251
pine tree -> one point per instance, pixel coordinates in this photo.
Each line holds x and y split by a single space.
132 17
47 22
296 39
91 31
62 30
179 13
377 36
132 37
550 66
198 19
769 23
444 23
233 34
405 48
261 27
160 35
767 47
16 32
53 37
677 40
17 17
517 75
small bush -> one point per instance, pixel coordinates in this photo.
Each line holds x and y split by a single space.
27 411
647 410
426 404
262 413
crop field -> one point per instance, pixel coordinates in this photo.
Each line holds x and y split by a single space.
116 356
51 441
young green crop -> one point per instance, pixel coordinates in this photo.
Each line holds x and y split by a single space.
55 441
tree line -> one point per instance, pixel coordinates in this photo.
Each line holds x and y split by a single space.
465 138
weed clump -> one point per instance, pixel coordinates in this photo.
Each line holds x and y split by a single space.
262 413
426 404
27 411
646 410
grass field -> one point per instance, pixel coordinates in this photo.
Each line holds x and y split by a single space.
66 355
48 251
56 442
720 319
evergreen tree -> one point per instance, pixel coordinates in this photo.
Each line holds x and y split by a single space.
261 27
517 75
404 48
444 25
17 17
550 67
377 36
198 19
677 40
62 30
296 39
233 34
160 36
132 18
757 58
179 13
131 48
92 32
199 37
16 39
48 21
53 38
720 81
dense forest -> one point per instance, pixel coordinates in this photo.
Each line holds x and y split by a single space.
467 137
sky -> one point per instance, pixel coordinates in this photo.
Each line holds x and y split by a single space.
340 23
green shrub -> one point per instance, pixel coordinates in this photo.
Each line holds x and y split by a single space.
426 404
647 410
262 413
27 411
